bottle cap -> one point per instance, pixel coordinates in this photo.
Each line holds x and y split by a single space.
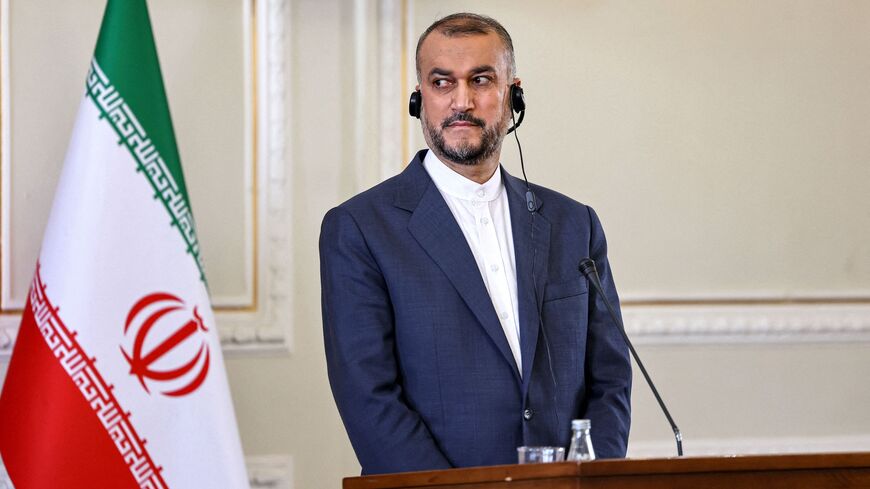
581 424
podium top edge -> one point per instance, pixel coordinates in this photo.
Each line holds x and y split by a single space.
612 467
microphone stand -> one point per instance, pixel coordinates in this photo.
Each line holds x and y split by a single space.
587 267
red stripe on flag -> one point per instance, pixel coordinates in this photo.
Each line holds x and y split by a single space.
50 436
60 424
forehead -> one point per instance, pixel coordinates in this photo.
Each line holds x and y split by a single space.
462 53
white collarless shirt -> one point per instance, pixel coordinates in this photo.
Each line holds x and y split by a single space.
483 214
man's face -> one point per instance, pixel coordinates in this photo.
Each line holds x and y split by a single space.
464 82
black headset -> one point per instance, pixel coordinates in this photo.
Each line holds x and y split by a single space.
518 104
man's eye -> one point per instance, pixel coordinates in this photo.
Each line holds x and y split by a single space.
440 83
481 80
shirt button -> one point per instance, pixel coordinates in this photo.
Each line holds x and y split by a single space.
475 203
484 220
527 414
494 267
503 315
481 193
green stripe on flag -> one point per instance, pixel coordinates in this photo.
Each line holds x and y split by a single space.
126 52
126 85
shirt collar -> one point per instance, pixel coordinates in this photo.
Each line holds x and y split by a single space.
456 185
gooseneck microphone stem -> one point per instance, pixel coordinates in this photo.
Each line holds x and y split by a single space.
587 267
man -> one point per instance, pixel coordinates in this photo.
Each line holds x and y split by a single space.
456 323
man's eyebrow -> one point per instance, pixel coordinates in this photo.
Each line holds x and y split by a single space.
482 69
440 72
474 71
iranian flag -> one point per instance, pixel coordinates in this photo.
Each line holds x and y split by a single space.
117 379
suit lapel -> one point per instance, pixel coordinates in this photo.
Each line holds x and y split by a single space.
531 233
436 230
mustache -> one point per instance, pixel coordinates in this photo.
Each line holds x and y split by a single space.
464 117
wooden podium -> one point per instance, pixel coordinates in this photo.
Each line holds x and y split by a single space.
840 470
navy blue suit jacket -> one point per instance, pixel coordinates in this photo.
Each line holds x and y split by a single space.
418 362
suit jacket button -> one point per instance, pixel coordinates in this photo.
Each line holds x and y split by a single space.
527 414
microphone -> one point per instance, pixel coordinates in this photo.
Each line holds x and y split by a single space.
587 267
531 204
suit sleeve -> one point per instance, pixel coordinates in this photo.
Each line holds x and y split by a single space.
608 367
359 336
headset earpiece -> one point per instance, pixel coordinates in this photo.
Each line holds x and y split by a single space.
518 105
518 102
415 104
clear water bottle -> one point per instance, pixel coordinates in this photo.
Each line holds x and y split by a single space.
581 441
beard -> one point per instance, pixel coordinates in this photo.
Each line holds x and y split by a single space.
465 153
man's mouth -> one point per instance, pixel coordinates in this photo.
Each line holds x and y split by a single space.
462 120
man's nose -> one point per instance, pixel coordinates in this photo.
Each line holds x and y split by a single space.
463 98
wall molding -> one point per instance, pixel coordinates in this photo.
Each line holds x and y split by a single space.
5 151
671 325
266 327
748 323
270 471
8 332
379 101
392 94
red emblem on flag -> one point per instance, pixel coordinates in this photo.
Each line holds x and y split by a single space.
169 346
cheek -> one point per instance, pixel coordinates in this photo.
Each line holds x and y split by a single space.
435 104
495 104
431 117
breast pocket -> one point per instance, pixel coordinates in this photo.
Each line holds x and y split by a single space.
563 290
565 311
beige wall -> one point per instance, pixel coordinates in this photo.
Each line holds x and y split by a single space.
724 144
